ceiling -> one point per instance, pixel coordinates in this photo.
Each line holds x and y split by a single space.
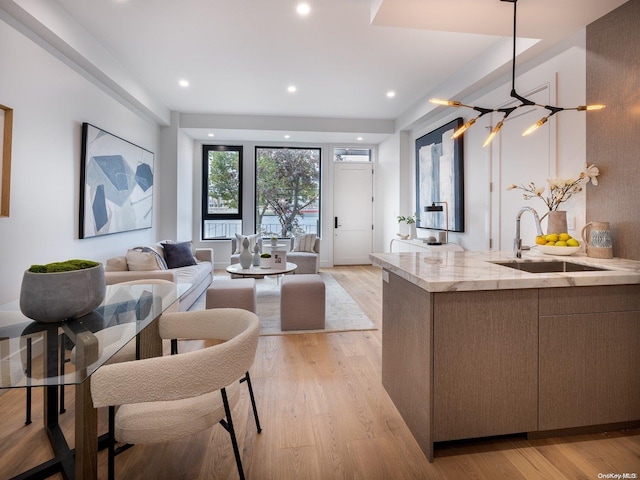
240 56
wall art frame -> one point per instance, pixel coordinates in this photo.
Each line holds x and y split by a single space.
440 178
116 184
6 135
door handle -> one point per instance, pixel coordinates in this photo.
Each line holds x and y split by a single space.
335 222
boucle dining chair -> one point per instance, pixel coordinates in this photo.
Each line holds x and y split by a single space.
186 392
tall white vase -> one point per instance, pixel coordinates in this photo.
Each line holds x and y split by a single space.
245 255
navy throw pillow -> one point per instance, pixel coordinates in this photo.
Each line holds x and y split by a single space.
178 254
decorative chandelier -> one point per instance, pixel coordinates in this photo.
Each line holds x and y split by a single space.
524 102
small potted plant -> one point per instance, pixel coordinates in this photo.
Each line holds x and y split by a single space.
61 290
274 241
411 221
265 260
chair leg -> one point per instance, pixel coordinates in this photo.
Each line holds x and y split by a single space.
112 443
27 420
228 425
247 379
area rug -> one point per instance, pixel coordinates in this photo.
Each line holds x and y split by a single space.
342 313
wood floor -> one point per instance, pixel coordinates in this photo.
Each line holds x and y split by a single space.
325 415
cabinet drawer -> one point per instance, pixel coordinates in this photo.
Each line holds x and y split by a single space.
578 300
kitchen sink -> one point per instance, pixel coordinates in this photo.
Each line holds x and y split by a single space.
548 267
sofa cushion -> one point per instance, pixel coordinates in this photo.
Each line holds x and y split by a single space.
304 242
116 264
143 259
252 242
178 254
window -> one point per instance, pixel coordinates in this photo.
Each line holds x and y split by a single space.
351 154
287 191
222 191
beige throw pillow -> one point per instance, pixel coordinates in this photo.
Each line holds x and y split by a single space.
304 242
252 242
143 259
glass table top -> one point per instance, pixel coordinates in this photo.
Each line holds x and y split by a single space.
31 352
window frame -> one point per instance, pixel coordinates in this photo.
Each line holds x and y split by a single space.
205 184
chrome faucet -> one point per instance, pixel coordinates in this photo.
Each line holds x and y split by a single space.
517 243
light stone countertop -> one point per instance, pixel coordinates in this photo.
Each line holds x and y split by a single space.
467 271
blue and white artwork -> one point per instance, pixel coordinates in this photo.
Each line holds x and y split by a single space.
116 184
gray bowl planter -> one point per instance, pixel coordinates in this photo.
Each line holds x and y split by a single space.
53 297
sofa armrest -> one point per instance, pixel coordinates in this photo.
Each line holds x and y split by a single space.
205 255
116 277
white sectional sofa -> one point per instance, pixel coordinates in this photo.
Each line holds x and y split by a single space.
137 266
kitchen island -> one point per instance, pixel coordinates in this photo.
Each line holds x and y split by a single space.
471 348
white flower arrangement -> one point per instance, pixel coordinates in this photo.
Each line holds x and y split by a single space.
560 189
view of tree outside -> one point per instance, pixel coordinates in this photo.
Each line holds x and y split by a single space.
351 154
287 191
222 174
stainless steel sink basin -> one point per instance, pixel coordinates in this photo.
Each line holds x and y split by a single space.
533 266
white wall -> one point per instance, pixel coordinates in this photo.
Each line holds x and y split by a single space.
388 195
50 102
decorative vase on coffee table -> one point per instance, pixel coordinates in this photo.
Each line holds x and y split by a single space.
557 222
245 255
256 256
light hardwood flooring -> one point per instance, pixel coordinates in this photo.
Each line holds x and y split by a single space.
325 415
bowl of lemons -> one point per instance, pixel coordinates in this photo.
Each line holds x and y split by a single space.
557 244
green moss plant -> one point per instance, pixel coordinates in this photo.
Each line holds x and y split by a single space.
66 266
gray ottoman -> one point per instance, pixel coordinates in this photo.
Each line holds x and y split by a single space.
302 302
232 293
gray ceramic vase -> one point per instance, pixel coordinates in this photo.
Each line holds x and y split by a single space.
54 297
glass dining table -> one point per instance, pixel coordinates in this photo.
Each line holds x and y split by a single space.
31 355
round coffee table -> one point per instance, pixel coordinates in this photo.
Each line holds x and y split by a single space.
257 272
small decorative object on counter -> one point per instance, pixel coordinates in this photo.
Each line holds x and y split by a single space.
274 241
62 290
597 239
560 190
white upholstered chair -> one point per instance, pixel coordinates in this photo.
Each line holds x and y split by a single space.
183 393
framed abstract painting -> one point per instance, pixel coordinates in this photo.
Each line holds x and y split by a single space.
116 184
440 179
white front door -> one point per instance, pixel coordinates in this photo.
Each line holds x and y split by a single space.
353 213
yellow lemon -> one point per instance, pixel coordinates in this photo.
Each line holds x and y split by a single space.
552 237
572 242
550 244
541 240
561 243
564 237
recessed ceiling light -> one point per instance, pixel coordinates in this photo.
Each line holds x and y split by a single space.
359 139
291 89
391 94
287 136
303 9
210 135
183 83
